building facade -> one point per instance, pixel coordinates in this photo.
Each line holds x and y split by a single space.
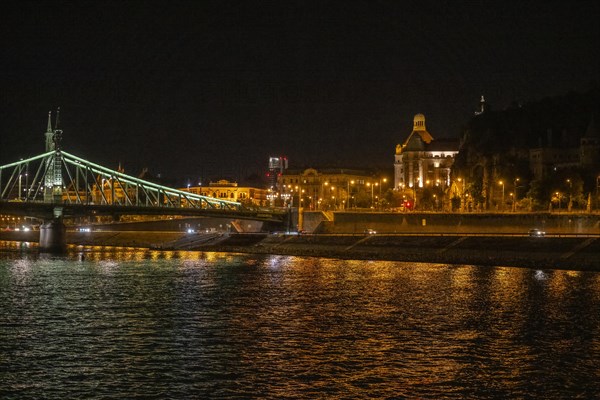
422 161
329 189
226 190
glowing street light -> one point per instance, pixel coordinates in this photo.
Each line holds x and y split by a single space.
515 198
347 203
381 181
372 187
570 195
502 184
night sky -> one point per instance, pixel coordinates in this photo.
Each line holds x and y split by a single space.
212 89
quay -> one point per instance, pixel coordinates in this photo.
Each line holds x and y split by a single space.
558 251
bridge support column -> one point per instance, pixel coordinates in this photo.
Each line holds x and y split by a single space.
53 237
53 234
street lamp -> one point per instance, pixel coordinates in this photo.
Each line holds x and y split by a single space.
462 194
570 195
323 191
372 187
558 197
332 192
381 181
515 198
347 204
27 190
502 184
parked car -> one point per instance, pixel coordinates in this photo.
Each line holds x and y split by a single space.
536 232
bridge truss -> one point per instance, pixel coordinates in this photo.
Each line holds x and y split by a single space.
59 177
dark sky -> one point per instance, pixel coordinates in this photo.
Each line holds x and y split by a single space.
212 89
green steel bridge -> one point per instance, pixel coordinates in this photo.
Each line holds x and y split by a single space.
57 184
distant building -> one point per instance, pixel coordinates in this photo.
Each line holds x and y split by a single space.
421 161
327 188
276 167
226 190
556 155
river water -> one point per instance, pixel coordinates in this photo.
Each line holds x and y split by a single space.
124 323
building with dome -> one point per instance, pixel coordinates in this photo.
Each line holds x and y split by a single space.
423 161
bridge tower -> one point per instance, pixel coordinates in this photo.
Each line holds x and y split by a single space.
53 181
53 232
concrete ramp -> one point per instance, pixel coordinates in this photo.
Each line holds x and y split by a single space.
192 241
328 215
236 225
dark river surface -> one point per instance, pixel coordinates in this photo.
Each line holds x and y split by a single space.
123 324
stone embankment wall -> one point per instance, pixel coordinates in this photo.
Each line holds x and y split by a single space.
573 252
358 222
568 251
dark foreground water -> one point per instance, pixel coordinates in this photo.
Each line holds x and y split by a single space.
160 325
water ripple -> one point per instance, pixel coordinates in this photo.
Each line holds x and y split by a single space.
210 325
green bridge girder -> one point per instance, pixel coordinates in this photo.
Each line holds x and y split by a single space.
33 187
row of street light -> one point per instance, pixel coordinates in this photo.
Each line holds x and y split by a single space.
328 193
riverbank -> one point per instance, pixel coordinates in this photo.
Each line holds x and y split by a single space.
569 252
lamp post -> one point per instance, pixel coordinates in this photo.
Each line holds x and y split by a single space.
570 195
514 206
347 204
502 184
323 192
300 216
332 192
558 197
381 182
372 198
372 187
462 194
27 191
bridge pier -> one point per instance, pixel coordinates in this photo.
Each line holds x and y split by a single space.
53 236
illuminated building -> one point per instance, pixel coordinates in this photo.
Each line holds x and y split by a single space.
276 167
327 188
421 160
226 190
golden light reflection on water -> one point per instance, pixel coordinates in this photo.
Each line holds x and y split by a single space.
15 246
558 284
410 329
506 286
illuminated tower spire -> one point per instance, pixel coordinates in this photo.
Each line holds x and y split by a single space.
49 135
53 179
